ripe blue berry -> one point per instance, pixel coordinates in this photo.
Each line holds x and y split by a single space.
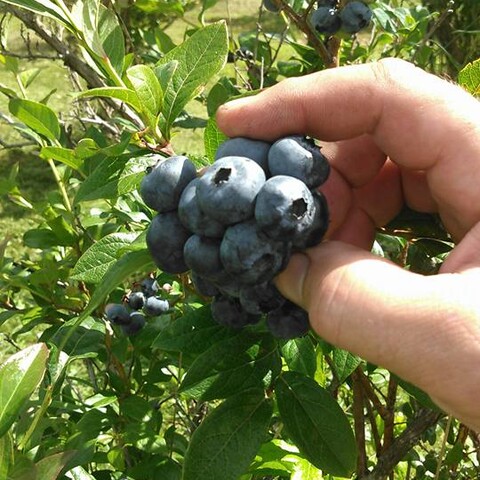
315 233
289 321
227 311
284 208
255 150
137 322
202 254
251 256
155 306
226 191
162 186
203 286
166 237
298 157
136 300
270 6
117 313
192 216
149 287
262 298
326 20
355 16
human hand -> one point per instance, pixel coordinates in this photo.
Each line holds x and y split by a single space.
394 135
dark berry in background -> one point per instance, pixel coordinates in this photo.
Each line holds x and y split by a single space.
288 321
326 20
355 16
117 314
227 311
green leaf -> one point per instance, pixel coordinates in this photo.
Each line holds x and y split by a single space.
317 424
192 333
469 77
230 366
63 155
300 356
344 363
199 58
147 88
51 466
37 116
417 393
42 7
113 177
20 375
165 72
79 473
6 454
225 443
9 92
118 272
11 63
212 138
103 34
94 263
28 76
125 95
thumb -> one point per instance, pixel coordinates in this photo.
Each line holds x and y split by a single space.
424 329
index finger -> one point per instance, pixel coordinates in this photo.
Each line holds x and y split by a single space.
420 121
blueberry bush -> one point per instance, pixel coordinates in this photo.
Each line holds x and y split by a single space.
142 336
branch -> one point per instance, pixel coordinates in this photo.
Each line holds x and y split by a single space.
402 444
70 59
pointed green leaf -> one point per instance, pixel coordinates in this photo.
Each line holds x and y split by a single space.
20 375
94 263
28 76
51 466
230 366
125 95
37 116
300 356
118 272
192 333
212 138
165 72
344 363
42 7
9 92
147 88
469 77
113 177
199 58
317 424
63 155
79 473
225 443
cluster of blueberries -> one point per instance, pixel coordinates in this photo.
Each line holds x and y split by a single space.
138 304
234 224
328 19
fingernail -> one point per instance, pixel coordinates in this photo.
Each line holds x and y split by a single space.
291 281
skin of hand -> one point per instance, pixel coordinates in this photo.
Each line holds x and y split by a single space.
394 135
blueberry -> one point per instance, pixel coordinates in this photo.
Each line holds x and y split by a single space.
262 298
255 150
228 312
202 254
288 321
250 255
226 191
137 322
166 237
162 186
298 157
117 313
326 20
284 208
155 306
315 233
192 216
149 286
203 286
355 16
270 6
136 300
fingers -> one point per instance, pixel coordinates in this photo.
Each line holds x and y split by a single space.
425 329
420 121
